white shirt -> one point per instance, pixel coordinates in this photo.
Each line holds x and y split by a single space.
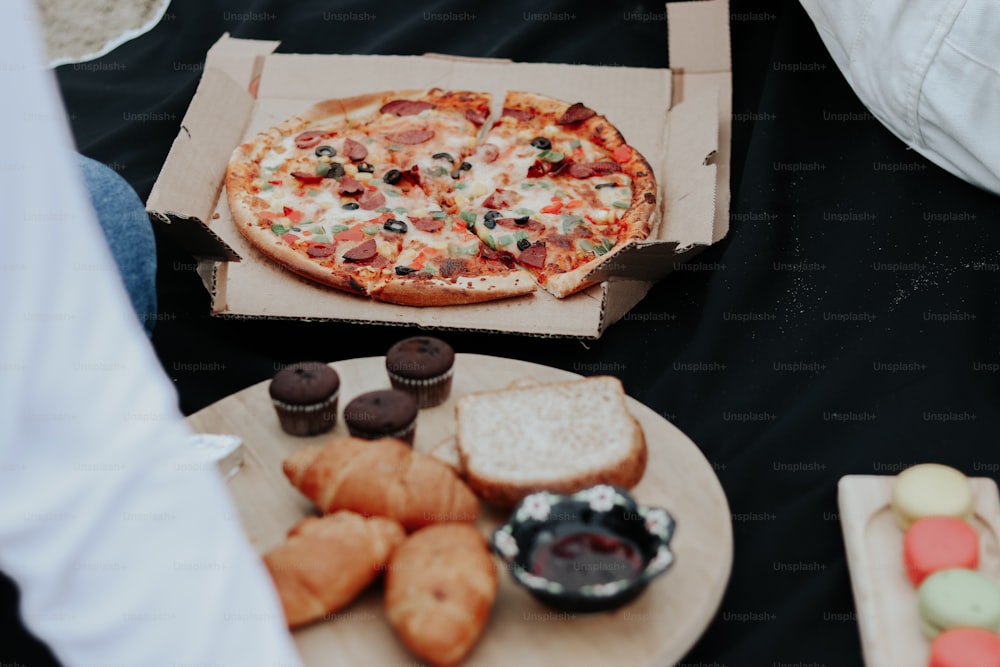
929 70
124 552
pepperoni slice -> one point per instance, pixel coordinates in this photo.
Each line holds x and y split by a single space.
362 252
308 139
380 262
371 200
405 107
350 186
588 169
533 255
498 200
320 250
503 256
476 116
518 114
307 179
539 168
355 150
605 166
527 225
410 137
490 152
575 113
428 224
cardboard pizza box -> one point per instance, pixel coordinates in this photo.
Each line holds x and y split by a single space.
678 118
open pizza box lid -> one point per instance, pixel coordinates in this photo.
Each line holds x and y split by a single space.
678 118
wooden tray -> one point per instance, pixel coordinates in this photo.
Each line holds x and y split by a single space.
885 599
657 629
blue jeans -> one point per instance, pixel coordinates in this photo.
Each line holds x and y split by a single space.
129 234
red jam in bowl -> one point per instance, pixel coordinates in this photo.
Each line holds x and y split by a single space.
586 558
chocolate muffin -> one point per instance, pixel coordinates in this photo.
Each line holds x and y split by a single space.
383 413
305 397
422 366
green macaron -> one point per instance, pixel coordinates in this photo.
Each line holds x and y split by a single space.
958 598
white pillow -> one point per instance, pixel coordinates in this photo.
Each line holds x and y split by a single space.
929 70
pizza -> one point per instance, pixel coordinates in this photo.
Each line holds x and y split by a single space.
428 198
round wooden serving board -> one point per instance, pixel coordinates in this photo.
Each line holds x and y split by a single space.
655 630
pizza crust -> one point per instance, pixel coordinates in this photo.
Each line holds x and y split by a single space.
436 292
535 102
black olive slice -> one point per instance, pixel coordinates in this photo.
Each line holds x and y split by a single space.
336 170
393 225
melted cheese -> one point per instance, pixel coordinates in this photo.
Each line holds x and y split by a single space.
574 207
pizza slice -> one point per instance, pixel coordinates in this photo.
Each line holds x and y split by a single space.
320 200
558 189
443 263
339 231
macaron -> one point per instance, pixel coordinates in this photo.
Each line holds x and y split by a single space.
965 647
938 543
958 598
930 489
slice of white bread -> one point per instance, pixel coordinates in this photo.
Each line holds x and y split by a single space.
560 437
446 451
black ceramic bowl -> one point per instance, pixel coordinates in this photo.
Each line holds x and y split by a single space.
589 551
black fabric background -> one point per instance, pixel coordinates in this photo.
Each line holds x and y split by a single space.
848 324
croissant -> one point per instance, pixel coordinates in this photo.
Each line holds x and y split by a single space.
380 477
439 589
324 563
